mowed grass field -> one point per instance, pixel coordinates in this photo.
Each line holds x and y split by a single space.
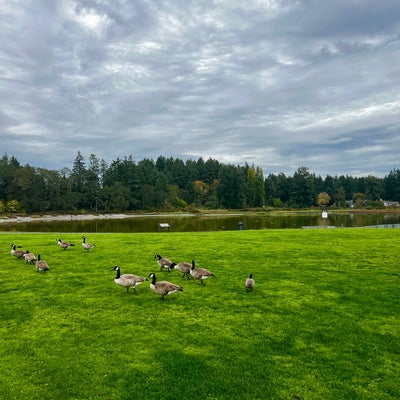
323 321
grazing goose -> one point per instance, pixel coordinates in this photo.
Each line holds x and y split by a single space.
200 273
127 280
17 253
86 246
64 245
163 287
163 262
183 267
41 265
29 257
250 283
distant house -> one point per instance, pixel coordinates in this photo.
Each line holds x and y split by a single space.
388 203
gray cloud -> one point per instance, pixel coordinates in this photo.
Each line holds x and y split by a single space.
280 84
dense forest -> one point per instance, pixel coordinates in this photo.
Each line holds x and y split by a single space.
171 184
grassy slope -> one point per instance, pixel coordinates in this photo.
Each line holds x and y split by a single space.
322 322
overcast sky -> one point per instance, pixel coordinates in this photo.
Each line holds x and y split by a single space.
275 83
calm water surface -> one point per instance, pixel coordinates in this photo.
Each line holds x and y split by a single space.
196 223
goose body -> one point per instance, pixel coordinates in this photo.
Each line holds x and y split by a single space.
87 246
127 280
41 265
29 257
200 273
163 288
17 253
183 267
64 245
163 262
249 283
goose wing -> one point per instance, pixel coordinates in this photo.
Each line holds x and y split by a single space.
183 266
169 287
132 277
204 272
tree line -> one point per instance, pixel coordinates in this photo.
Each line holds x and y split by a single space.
171 183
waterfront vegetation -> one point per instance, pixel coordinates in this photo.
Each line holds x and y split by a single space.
321 323
171 184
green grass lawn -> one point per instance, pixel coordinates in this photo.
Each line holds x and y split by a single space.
321 323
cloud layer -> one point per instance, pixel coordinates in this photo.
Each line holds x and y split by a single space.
277 83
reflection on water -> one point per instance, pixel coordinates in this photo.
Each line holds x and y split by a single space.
196 223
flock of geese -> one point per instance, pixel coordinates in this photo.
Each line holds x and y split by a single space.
130 281
41 265
165 288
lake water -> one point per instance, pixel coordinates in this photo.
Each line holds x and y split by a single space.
194 223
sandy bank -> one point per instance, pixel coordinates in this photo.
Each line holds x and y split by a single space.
87 217
66 217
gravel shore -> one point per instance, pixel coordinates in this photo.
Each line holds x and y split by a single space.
64 217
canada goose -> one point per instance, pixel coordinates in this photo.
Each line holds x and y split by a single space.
86 246
250 283
64 245
127 280
183 267
17 253
163 262
163 287
29 257
41 265
200 273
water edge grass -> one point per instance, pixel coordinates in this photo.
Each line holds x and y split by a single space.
321 323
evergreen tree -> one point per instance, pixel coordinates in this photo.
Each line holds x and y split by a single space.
304 193
78 173
8 169
373 188
231 193
391 184
78 181
93 192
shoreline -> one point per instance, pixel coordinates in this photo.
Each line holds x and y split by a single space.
51 218
89 217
